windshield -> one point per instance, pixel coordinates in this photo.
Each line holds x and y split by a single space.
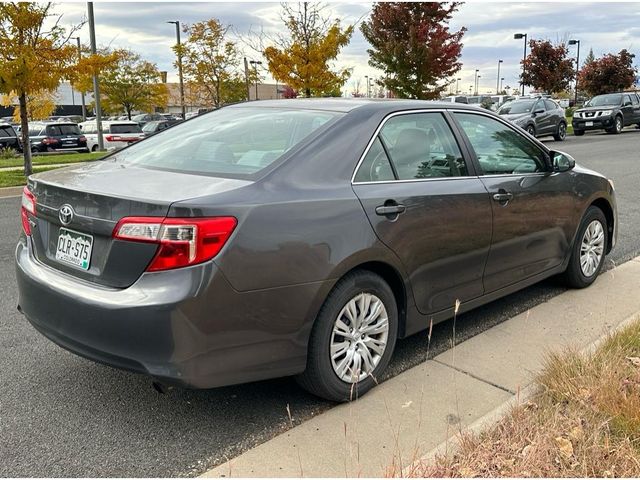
150 127
518 106
602 100
236 141
125 128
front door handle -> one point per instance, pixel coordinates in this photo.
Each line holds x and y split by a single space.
385 210
502 197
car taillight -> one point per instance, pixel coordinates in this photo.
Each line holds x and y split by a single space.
49 141
82 138
28 206
182 241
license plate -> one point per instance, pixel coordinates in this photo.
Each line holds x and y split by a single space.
588 124
74 248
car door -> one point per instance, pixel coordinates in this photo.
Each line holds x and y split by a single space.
556 115
532 207
426 204
635 104
542 118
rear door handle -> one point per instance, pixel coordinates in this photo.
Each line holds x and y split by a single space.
390 209
502 197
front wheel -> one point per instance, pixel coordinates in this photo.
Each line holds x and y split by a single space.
353 338
561 132
617 126
589 250
531 130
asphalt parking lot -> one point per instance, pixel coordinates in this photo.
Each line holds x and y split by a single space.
61 415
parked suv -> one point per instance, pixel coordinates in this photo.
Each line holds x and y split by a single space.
145 118
154 127
56 136
610 112
538 116
9 138
115 134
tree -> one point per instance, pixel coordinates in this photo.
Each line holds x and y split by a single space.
303 59
33 59
132 83
289 92
547 67
611 73
211 64
590 57
412 44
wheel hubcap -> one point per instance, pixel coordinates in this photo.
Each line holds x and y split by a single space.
563 130
592 248
359 338
618 124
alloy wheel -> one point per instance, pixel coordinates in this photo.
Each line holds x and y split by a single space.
562 131
618 124
359 338
592 248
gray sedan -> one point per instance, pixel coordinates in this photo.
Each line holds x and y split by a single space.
540 117
300 237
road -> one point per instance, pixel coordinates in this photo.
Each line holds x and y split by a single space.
61 415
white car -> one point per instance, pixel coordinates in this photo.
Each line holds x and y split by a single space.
116 134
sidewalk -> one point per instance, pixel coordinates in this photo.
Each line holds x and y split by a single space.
414 412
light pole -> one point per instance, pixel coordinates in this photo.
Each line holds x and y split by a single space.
255 64
84 108
457 86
370 87
96 83
518 36
478 83
498 78
366 79
177 24
475 82
501 80
576 42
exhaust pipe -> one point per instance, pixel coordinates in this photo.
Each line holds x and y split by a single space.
161 388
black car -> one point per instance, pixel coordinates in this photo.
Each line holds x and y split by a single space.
300 237
156 126
9 138
538 116
610 112
56 136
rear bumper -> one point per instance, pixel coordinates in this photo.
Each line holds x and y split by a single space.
186 327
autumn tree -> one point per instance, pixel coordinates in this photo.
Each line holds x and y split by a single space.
610 73
303 58
211 64
33 58
289 92
547 67
132 83
412 44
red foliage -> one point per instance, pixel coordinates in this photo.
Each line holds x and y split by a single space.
611 73
288 92
547 67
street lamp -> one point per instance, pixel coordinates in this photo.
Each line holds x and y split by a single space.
518 36
177 24
475 82
576 42
498 78
255 64
84 108
366 80
478 83
370 87
501 80
457 84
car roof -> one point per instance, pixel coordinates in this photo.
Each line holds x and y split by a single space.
47 123
110 122
349 104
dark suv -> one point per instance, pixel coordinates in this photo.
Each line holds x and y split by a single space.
8 138
610 112
538 116
56 136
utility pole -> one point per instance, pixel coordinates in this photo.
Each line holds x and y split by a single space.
457 86
246 78
96 83
84 108
255 64
498 78
518 36
177 24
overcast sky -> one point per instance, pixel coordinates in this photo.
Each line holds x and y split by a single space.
605 27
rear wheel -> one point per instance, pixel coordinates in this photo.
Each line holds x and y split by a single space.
353 338
561 132
590 245
94 148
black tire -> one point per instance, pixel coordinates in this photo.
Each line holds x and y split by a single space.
531 130
578 133
94 148
561 132
617 127
319 377
573 275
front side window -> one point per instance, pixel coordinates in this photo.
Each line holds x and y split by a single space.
500 149
627 100
421 145
229 141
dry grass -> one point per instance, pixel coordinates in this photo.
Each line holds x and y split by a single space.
584 421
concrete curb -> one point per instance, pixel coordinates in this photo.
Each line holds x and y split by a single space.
6 192
449 446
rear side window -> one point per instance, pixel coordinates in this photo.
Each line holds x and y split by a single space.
550 105
236 141
7 132
634 99
375 167
125 128
627 100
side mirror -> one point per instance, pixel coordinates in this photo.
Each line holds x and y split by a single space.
627 104
562 162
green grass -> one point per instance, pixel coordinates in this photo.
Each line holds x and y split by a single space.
569 126
15 178
53 159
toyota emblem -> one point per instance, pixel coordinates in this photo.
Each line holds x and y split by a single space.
65 214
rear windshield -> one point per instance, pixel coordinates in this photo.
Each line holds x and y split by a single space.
602 100
521 106
7 132
63 130
125 128
150 127
229 141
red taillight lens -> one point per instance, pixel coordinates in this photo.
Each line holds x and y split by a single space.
49 141
82 139
28 206
182 241
108 138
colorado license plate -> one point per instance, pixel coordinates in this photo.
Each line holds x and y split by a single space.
74 248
